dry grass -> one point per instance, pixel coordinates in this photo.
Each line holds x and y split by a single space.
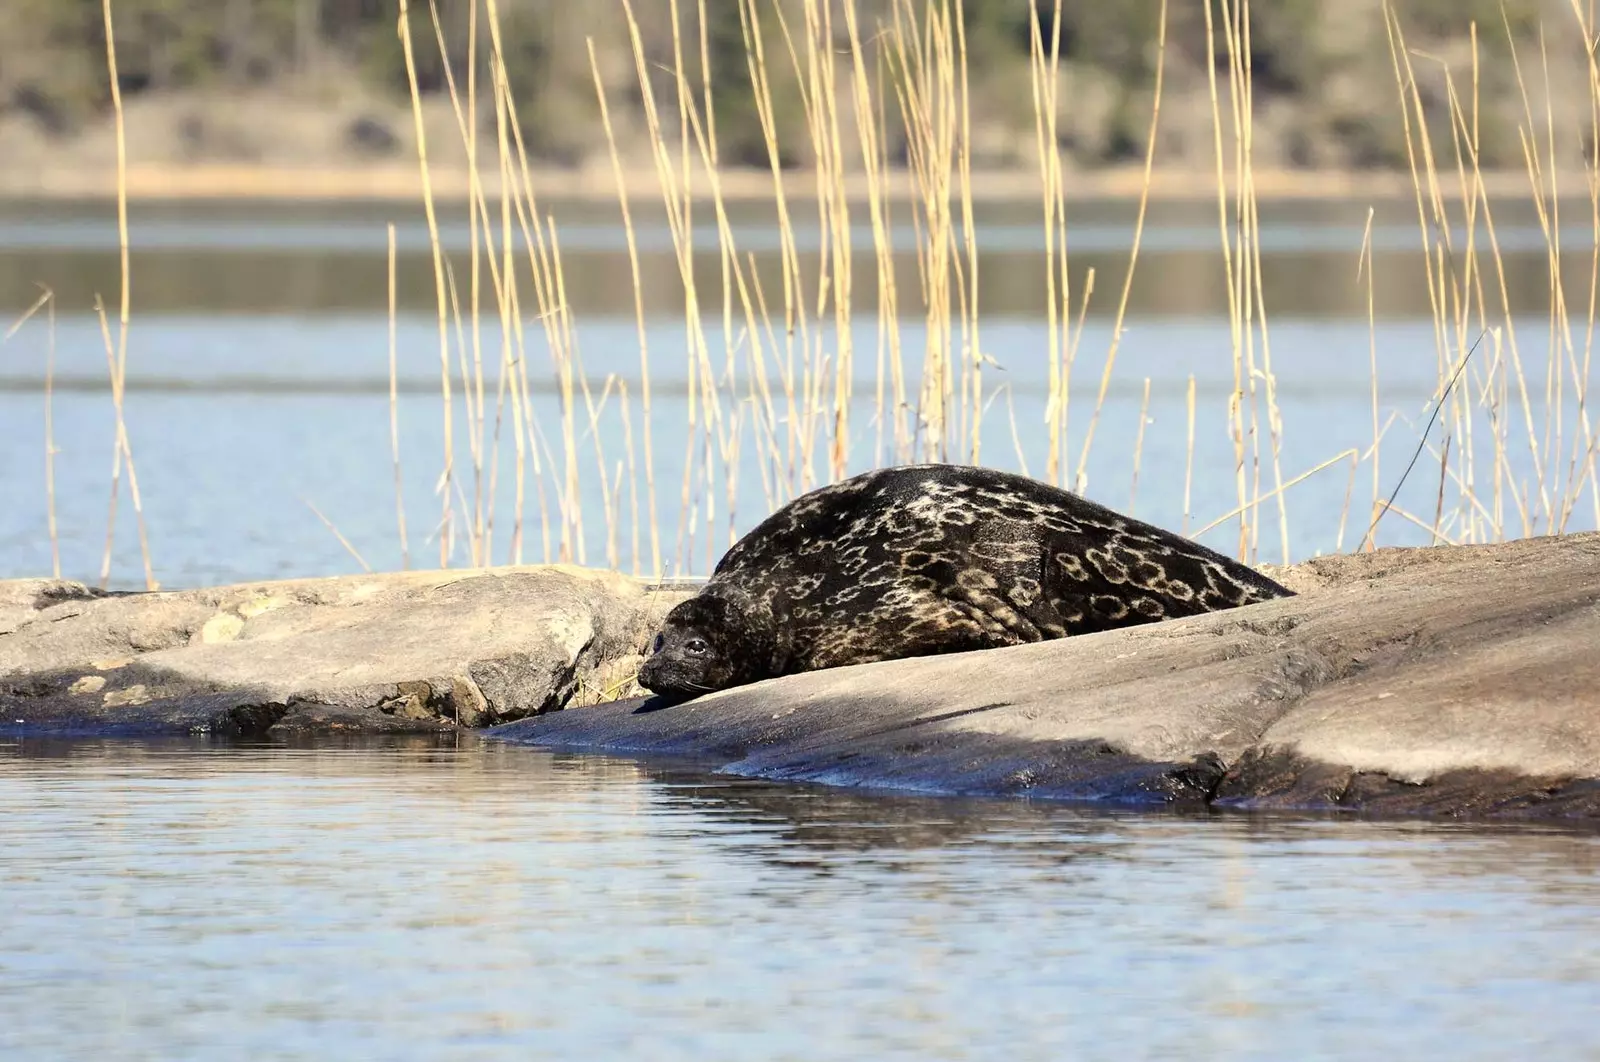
46 302
117 357
782 385
784 381
1467 283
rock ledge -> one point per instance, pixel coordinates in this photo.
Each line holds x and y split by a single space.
409 651
1444 681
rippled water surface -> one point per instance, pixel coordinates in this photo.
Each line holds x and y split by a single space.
422 901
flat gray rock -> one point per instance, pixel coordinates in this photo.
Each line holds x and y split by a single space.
372 653
1454 680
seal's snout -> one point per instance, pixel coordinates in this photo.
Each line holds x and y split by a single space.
650 674
650 671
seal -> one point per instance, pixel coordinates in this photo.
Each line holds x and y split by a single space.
918 560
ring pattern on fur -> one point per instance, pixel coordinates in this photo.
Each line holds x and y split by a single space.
917 560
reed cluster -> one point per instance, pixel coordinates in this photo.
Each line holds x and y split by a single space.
782 389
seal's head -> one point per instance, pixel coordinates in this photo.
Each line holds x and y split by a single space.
707 643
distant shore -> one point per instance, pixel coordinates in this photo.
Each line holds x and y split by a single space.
396 182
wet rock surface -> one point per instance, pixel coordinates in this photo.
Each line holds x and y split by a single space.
1459 681
414 651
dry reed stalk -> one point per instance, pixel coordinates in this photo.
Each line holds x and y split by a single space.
46 302
1496 403
705 398
1016 437
1432 212
394 409
726 438
638 314
530 426
123 450
461 347
345 542
482 519
1188 457
836 284
874 145
472 398
1344 510
1468 133
633 479
502 376
1455 477
50 440
1250 207
1138 446
796 325
513 370
502 277
1456 286
553 314
446 475
536 442
1530 153
972 348
1364 271
705 136
1080 477
1045 83
1586 26
1235 312
914 91
567 362
511 363
1275 491
777 484
1564 352
798 311
595 409
933 96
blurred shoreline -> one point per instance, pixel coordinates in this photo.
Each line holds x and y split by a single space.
396 182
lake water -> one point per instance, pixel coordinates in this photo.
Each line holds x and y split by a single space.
425 900
258 403
432 900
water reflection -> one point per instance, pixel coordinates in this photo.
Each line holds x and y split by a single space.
420 898
317 259
1169 284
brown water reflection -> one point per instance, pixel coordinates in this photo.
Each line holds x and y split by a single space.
321 259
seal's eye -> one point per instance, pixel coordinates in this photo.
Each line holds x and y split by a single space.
655 646
696 646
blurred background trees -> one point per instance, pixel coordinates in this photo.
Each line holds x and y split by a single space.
1325 87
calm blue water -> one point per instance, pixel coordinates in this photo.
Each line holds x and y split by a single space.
421 901
241 425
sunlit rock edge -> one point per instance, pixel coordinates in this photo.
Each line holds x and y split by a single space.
1459 681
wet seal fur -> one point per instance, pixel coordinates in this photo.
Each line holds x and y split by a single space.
918 560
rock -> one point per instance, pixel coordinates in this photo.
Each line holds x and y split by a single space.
372 653
1443 681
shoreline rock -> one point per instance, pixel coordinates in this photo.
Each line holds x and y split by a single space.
399 652
1449 681
1454 681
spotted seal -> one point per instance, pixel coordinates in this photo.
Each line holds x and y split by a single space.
916 560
